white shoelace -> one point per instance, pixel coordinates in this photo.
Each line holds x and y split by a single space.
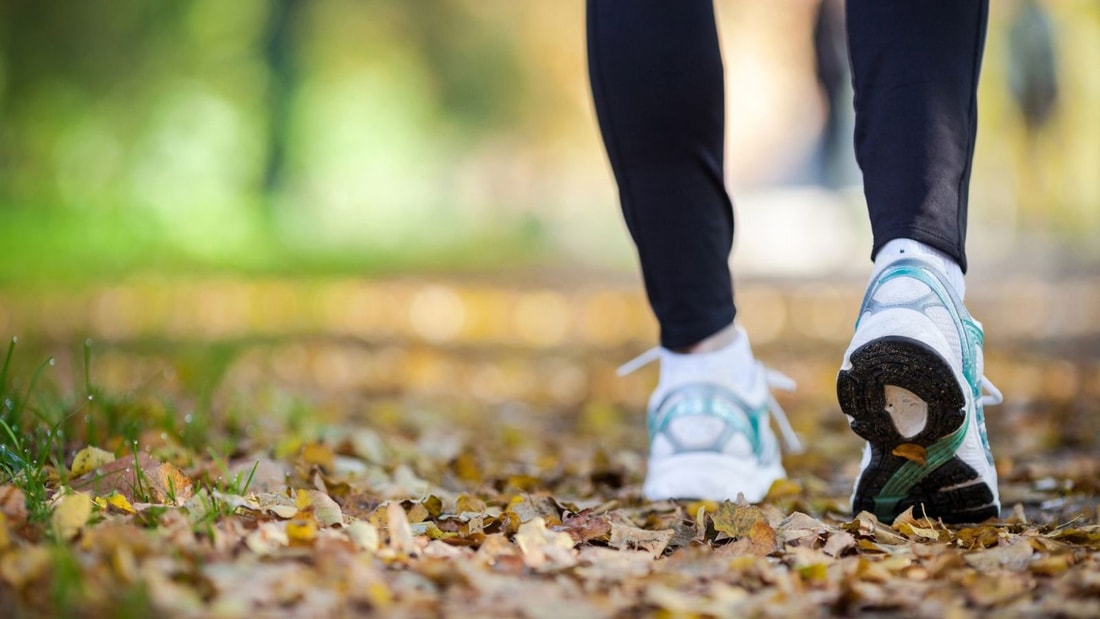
774 379
994 397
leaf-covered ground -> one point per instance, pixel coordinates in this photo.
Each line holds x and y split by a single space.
394 448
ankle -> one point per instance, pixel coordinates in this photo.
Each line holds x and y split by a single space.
898 249
714 342
725 358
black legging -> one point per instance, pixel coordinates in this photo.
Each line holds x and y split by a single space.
657 81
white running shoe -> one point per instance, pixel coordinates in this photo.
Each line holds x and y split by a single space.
708 420
911 384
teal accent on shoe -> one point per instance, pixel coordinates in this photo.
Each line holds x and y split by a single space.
970 337
712 401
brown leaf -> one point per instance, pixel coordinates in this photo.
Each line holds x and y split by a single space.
760 542
624 536
586 526
401 536
1014 556
839 543
989 591
912 452
140 479
1051 566
13 504
800 530
867 524
983 536
737 519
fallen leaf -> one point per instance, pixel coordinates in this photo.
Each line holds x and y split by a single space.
839 543
737 519
978 537
799 529
543 547
401 536
260 474
629 537
70 513
760 542
868 525
325 510
139 479
5 534
783 488
989 591
319 455
364 535
1051 566
90 459
119 502
13 504
586 526
912 452
23 566
267 538
1014 556
301 530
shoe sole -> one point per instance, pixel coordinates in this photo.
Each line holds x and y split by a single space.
713 476
946 488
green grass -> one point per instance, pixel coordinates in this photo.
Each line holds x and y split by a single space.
42 426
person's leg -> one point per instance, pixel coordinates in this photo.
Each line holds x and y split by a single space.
911 380
915 68
658 86
657 83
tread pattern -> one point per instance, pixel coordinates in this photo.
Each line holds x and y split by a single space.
945 488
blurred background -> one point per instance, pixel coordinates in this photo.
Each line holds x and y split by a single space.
277 135
373 200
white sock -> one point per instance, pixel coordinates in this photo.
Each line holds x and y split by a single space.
908 248
732 365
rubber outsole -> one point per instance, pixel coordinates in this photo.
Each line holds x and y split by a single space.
950 490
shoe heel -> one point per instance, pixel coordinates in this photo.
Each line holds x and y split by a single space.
928 476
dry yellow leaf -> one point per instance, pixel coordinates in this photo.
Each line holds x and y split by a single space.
302 531
302 500
70 514
90 459
5 537
320 455
324 508
912 452
119 502
783 489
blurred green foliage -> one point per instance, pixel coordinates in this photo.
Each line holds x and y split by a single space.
377 134
249 134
